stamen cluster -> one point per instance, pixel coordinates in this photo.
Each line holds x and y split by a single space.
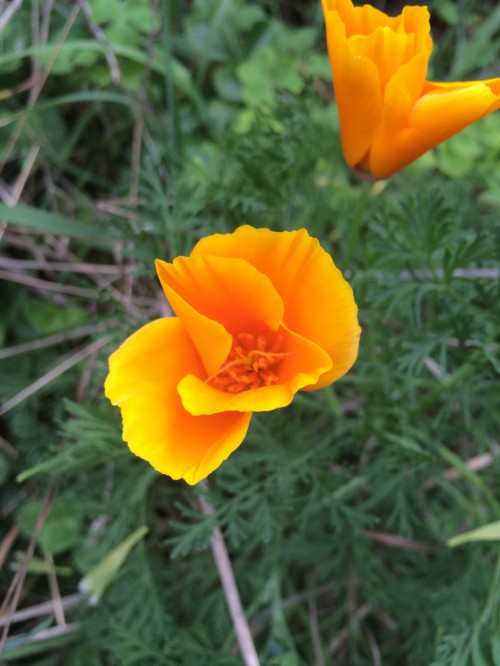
251 364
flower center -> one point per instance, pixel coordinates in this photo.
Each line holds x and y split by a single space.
252 363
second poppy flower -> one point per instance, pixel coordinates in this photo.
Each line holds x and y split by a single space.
389 113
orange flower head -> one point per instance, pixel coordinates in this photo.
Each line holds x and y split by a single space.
260 315
389 114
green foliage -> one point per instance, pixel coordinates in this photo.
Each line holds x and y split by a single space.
61 531
489 532
336 511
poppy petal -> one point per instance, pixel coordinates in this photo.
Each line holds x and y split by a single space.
357 91
216 296
303 364
357 20
366 19
389 51
434 118
228 290
409 78
143 377
307 281
492 84
212 341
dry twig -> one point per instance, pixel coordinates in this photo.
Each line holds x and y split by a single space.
374 648
14 592
342 636
46 285
48 634
37 89
52 374
12 198
314 627
55 592
114 67
9 13
7 543
136 157
226 574
45 608
397 541
475 464
63 266
55 339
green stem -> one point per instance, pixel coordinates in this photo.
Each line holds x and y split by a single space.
332 401
168 35
219 18
357 223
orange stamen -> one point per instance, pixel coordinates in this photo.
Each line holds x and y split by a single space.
250 364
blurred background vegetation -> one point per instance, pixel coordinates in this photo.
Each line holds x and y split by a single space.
130 128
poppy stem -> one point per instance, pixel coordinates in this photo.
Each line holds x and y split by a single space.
233 600
332 401
168 33
357 223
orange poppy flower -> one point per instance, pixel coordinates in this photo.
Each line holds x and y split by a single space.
260 316
389 114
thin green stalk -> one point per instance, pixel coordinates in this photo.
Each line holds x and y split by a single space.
168 39
493 597
357 223
218 20
331 399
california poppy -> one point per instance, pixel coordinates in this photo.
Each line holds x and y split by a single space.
389 114
260 315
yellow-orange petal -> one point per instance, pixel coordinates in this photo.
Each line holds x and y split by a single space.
492 84
304 364
143 377
215 297
318 302
434 118
212 341
357 20
366 19
387 50
410 79
417 20
228 290
358 94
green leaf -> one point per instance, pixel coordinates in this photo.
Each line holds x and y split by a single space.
469 474
495 648
52 223
267 72
490 532
47 317
27 646
98 578
39 566
448 11
408 444
62 527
